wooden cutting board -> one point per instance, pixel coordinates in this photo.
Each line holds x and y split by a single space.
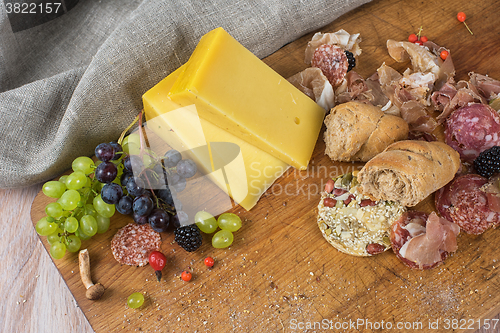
280 274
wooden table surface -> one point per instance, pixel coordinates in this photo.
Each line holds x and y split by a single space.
34 296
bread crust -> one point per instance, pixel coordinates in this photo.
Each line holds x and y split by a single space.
357 131
408 171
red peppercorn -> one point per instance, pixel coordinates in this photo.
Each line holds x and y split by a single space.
209 261
423 39
157 260
412 38
461 16
186 276
444 54
419 42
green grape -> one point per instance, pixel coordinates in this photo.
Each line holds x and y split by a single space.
88 225
102 224
80 234
89 210
131 144
222 239
54 237
120 169
229 221
149 158
88 183
76 180
102 208
69 199
54 210
62 179
54 189
206 222
74 243
57 250
71 224
44 227
135 300
83 164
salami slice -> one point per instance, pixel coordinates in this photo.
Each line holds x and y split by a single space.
466 204
472 129
400 235
133 243
332 61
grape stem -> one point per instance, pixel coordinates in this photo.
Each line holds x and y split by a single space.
122 136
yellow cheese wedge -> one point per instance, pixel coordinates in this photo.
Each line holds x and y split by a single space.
244 177
236 91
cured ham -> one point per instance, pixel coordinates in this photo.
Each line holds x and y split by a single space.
464 202
423 241
465 94
488 87
472 129
421 58
314 84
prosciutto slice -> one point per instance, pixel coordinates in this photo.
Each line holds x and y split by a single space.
423 241
466 93
421 58
488 87
425 249
314 84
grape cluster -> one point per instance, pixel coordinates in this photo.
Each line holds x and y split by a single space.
140 185
79 212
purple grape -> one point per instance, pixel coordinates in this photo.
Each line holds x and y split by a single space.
106 172
104 152
135 186
133 163
177 182
142 205
150 178
124 206
172 157
186 168
125 178
181 218
111 193
159 220
140 219
118 149
166 196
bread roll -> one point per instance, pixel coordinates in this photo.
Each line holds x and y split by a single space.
358 131
408 171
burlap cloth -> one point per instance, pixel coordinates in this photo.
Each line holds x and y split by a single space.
76 80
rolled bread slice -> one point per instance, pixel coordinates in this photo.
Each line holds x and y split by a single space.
357 131
408 171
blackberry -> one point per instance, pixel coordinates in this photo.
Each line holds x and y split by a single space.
488 162
188 237
350 60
